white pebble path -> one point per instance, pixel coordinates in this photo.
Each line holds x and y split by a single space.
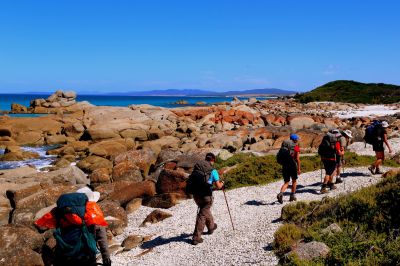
256 217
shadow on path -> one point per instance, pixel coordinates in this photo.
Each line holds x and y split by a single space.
159 241
255 203
277 220
308 190
353 174
268 247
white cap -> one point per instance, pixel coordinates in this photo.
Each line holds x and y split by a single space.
336 132
92 195
348 133
385 124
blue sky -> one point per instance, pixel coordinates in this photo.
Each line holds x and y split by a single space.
104 46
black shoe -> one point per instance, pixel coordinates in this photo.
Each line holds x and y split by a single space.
323 189
371 169
338 180
211 231
292 197
378 171
280 198
331 186
197 241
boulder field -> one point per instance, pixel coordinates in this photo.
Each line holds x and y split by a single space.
137 155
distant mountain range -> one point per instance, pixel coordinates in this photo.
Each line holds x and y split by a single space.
186 92
183 92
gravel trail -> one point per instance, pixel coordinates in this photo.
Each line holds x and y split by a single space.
255 214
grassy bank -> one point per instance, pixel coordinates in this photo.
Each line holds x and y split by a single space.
252 170
369 219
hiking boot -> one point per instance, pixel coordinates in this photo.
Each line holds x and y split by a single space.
280 198
331 186
211 231
372 169
323 189
338 180
292 197
378 171
197 241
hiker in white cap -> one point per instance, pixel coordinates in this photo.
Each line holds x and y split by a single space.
380 137
343 139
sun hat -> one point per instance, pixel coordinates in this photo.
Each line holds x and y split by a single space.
347 132
92 195
294 137
385 124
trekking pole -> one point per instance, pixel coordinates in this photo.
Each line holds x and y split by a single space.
320 164
229 211
344 179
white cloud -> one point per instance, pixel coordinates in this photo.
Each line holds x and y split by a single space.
331 70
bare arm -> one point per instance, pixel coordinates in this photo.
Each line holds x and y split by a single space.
298 162
386 142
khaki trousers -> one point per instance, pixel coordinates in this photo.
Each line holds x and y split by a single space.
204 216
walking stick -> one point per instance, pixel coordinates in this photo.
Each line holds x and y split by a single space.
344 179
229 211
320 164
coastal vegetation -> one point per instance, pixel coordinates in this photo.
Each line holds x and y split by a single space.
352 92
251 170
369 222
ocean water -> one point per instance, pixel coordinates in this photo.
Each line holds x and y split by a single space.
43 161
100 100
111 100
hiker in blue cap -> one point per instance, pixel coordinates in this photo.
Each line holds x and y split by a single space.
289 157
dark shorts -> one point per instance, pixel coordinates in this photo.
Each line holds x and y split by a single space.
289 173
378 146
330 166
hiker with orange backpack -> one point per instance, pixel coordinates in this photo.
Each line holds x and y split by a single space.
79 227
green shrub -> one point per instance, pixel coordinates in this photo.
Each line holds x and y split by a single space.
367 217
285 237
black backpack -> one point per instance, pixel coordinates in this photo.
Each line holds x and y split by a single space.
327 147
285 154
197 184
73 241
372 132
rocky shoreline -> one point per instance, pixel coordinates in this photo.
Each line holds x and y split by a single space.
141 154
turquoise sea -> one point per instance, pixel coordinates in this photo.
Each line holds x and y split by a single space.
111 100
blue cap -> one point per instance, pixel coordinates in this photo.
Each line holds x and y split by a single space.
294 137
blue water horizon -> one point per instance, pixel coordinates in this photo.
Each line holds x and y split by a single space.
116 100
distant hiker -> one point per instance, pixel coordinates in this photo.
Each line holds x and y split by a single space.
377 136
328 150
200 184
343 140
79 227
289 157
